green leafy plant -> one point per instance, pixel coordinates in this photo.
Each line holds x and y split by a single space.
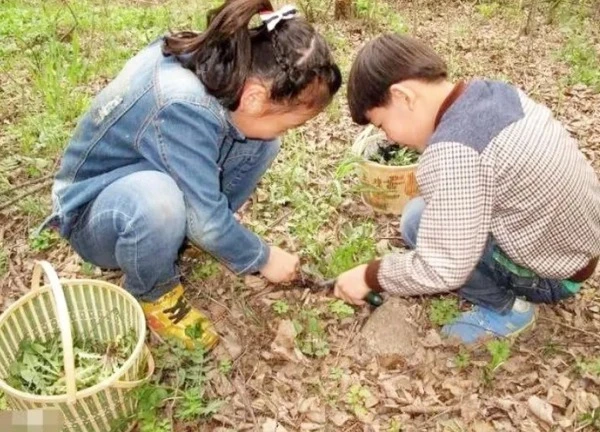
500 351
488 10
43 241
194 331
310 335
340 309
193 405
443 311
336 373
395 155
39 369
225 366
394 426
87 268
462 359
357 247
180 382
356 398
205 270
591 366
280 307
3 404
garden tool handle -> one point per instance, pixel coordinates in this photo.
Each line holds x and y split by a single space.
61 311
374 299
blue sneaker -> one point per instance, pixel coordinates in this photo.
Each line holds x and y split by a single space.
480 323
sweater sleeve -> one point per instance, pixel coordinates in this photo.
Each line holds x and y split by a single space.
453 228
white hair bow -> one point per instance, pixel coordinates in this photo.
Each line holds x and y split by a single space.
271 19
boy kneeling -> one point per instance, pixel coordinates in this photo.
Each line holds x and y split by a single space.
510 208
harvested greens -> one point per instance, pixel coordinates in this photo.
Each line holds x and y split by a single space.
394 155
39 368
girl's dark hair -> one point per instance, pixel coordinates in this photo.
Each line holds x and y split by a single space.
293 56
384 61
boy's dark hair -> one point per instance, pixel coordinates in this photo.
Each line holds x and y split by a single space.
293 56
384 61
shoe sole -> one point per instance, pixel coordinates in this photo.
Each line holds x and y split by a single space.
512 337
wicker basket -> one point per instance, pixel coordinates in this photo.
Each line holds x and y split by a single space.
93 309
387 189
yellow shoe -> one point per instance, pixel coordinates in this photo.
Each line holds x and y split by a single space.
172 316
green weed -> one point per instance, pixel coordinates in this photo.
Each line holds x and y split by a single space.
43 241
3 404
591 366
88 268
462 359
500 351
583 58
205 270
395 425
590 420
181 382
310 335
443 311
357 246
340 309
488 10
356 398
225 366
3 260
336 373
376 14
280 307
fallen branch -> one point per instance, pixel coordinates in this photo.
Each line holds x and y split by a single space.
25 194
27 183
589 333
412 409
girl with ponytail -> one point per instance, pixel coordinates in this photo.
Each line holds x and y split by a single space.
177 142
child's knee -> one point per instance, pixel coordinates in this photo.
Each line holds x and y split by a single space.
159 205
409 222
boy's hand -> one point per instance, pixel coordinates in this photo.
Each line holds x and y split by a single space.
281 267
351 286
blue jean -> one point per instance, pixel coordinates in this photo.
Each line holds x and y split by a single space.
138 223
491 285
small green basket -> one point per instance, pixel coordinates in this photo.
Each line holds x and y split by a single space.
89 308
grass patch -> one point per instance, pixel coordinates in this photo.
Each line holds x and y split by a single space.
205 270
582 57
443 311
311 338
180 382
43 241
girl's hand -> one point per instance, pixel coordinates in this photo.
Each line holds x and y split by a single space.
281 267
351 286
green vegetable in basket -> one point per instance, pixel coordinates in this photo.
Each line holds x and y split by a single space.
39 369
395 155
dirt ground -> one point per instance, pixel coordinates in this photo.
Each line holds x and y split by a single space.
551 377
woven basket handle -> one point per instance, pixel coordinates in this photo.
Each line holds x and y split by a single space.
151 366
361 140
64 321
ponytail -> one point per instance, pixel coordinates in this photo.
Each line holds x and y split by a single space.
223 53
292 55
